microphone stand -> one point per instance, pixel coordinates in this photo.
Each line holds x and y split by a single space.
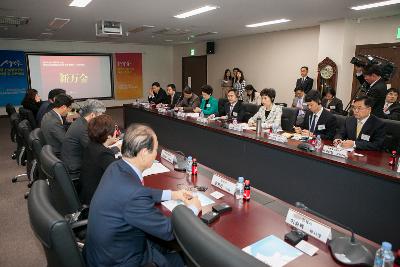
344 249
361 88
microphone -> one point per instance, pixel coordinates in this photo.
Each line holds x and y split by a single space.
344 249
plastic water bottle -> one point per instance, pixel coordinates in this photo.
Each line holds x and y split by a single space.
318 143
239 188
201 114
189 163
384 256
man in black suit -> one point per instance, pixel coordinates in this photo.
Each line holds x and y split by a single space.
53 124
48 105
317 121
363 130
172 95
157 95
376 89
233 109
391 109
304 82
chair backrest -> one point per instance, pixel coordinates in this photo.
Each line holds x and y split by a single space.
10 109
288 119
202 246
14 120
63 192
249 111
27 114
392 138
281 104
36 142
221 105
340 120
52 230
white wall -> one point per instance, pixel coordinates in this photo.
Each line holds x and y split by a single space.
377 31
267 60
156 60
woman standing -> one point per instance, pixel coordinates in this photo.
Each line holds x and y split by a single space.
251 96
239 84
226 83
269 113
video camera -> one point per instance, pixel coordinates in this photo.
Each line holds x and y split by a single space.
366 61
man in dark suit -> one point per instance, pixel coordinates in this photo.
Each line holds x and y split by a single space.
123 221
363 130
157 95
376 89
76 138
331 103
48 105
299 103
304 81
391 109
317 121
52 125
233 108
172 95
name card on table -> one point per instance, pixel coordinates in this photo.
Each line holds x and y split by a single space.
168 156
202 120
308 225
335 151
223 184
277 138
235 127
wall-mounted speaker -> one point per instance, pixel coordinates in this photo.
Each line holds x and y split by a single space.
210 48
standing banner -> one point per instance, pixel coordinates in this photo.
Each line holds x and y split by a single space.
128 76
13 80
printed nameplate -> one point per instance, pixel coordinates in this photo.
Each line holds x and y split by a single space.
223 184
308 225
335 151
277 138
168 156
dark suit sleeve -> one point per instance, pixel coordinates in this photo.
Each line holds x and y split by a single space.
394 114
141 213
241 114
339 107
308 85
106 159
330 128
298 82
58 132
377 139
342 134
304 125
360 79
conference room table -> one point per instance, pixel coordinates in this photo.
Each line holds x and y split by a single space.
361 192
249 221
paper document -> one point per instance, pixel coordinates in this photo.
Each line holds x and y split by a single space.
307 248
171 204
156 168
217 194
192 115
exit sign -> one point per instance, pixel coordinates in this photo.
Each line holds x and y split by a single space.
398 33
192 52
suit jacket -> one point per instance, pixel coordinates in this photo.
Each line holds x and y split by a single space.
76 139
121 215
378 93
53 131
255 101
44 108
274 117
306 85
237 111
93 170
211 107
189 104
393 112
325 127
174 101
371 136
160 97
304 108
335 106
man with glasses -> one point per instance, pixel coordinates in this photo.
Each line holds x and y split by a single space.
363 130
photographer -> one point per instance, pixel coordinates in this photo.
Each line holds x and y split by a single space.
376 89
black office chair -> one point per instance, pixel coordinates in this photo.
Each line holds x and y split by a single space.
288 119
284 105
392 138
340 121
36 143
249 111
202 246
65 197
21 148
52 230
27 114
221 105
12 115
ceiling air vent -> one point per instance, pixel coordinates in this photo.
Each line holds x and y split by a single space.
13 21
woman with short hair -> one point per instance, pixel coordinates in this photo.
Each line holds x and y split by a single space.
269 113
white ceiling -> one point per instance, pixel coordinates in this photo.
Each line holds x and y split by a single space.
229 20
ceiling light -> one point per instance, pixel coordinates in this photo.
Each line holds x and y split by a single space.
80 3
267 23
373 5
168 40
195 12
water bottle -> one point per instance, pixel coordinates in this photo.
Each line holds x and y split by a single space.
384 256
189 163
239 188
275 128
201 114
318 143
258 127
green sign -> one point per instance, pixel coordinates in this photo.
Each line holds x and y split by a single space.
192 52
398 33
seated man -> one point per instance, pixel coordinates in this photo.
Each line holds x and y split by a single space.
331 103
172 95
52 123
76 138
363 130
189 102
233 109
317 120
300 104
391 109
48 105
123 221
157 95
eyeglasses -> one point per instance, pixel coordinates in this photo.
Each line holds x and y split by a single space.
358 108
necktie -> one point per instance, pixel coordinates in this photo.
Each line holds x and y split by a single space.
312 128
385 108
300 106
230 110
359 127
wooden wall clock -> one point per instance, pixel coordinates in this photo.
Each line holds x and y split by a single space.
327 75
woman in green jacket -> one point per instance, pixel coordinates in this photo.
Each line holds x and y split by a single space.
209 104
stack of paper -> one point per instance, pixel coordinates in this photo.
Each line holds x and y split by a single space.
171 204
156 168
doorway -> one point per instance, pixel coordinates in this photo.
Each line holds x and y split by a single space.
194 73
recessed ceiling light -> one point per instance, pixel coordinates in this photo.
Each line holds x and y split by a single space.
80 3
378 4
196 12
168 40
268 23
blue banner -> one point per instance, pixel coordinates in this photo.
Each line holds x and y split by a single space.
13 79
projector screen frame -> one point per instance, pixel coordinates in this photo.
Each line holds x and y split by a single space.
109 55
